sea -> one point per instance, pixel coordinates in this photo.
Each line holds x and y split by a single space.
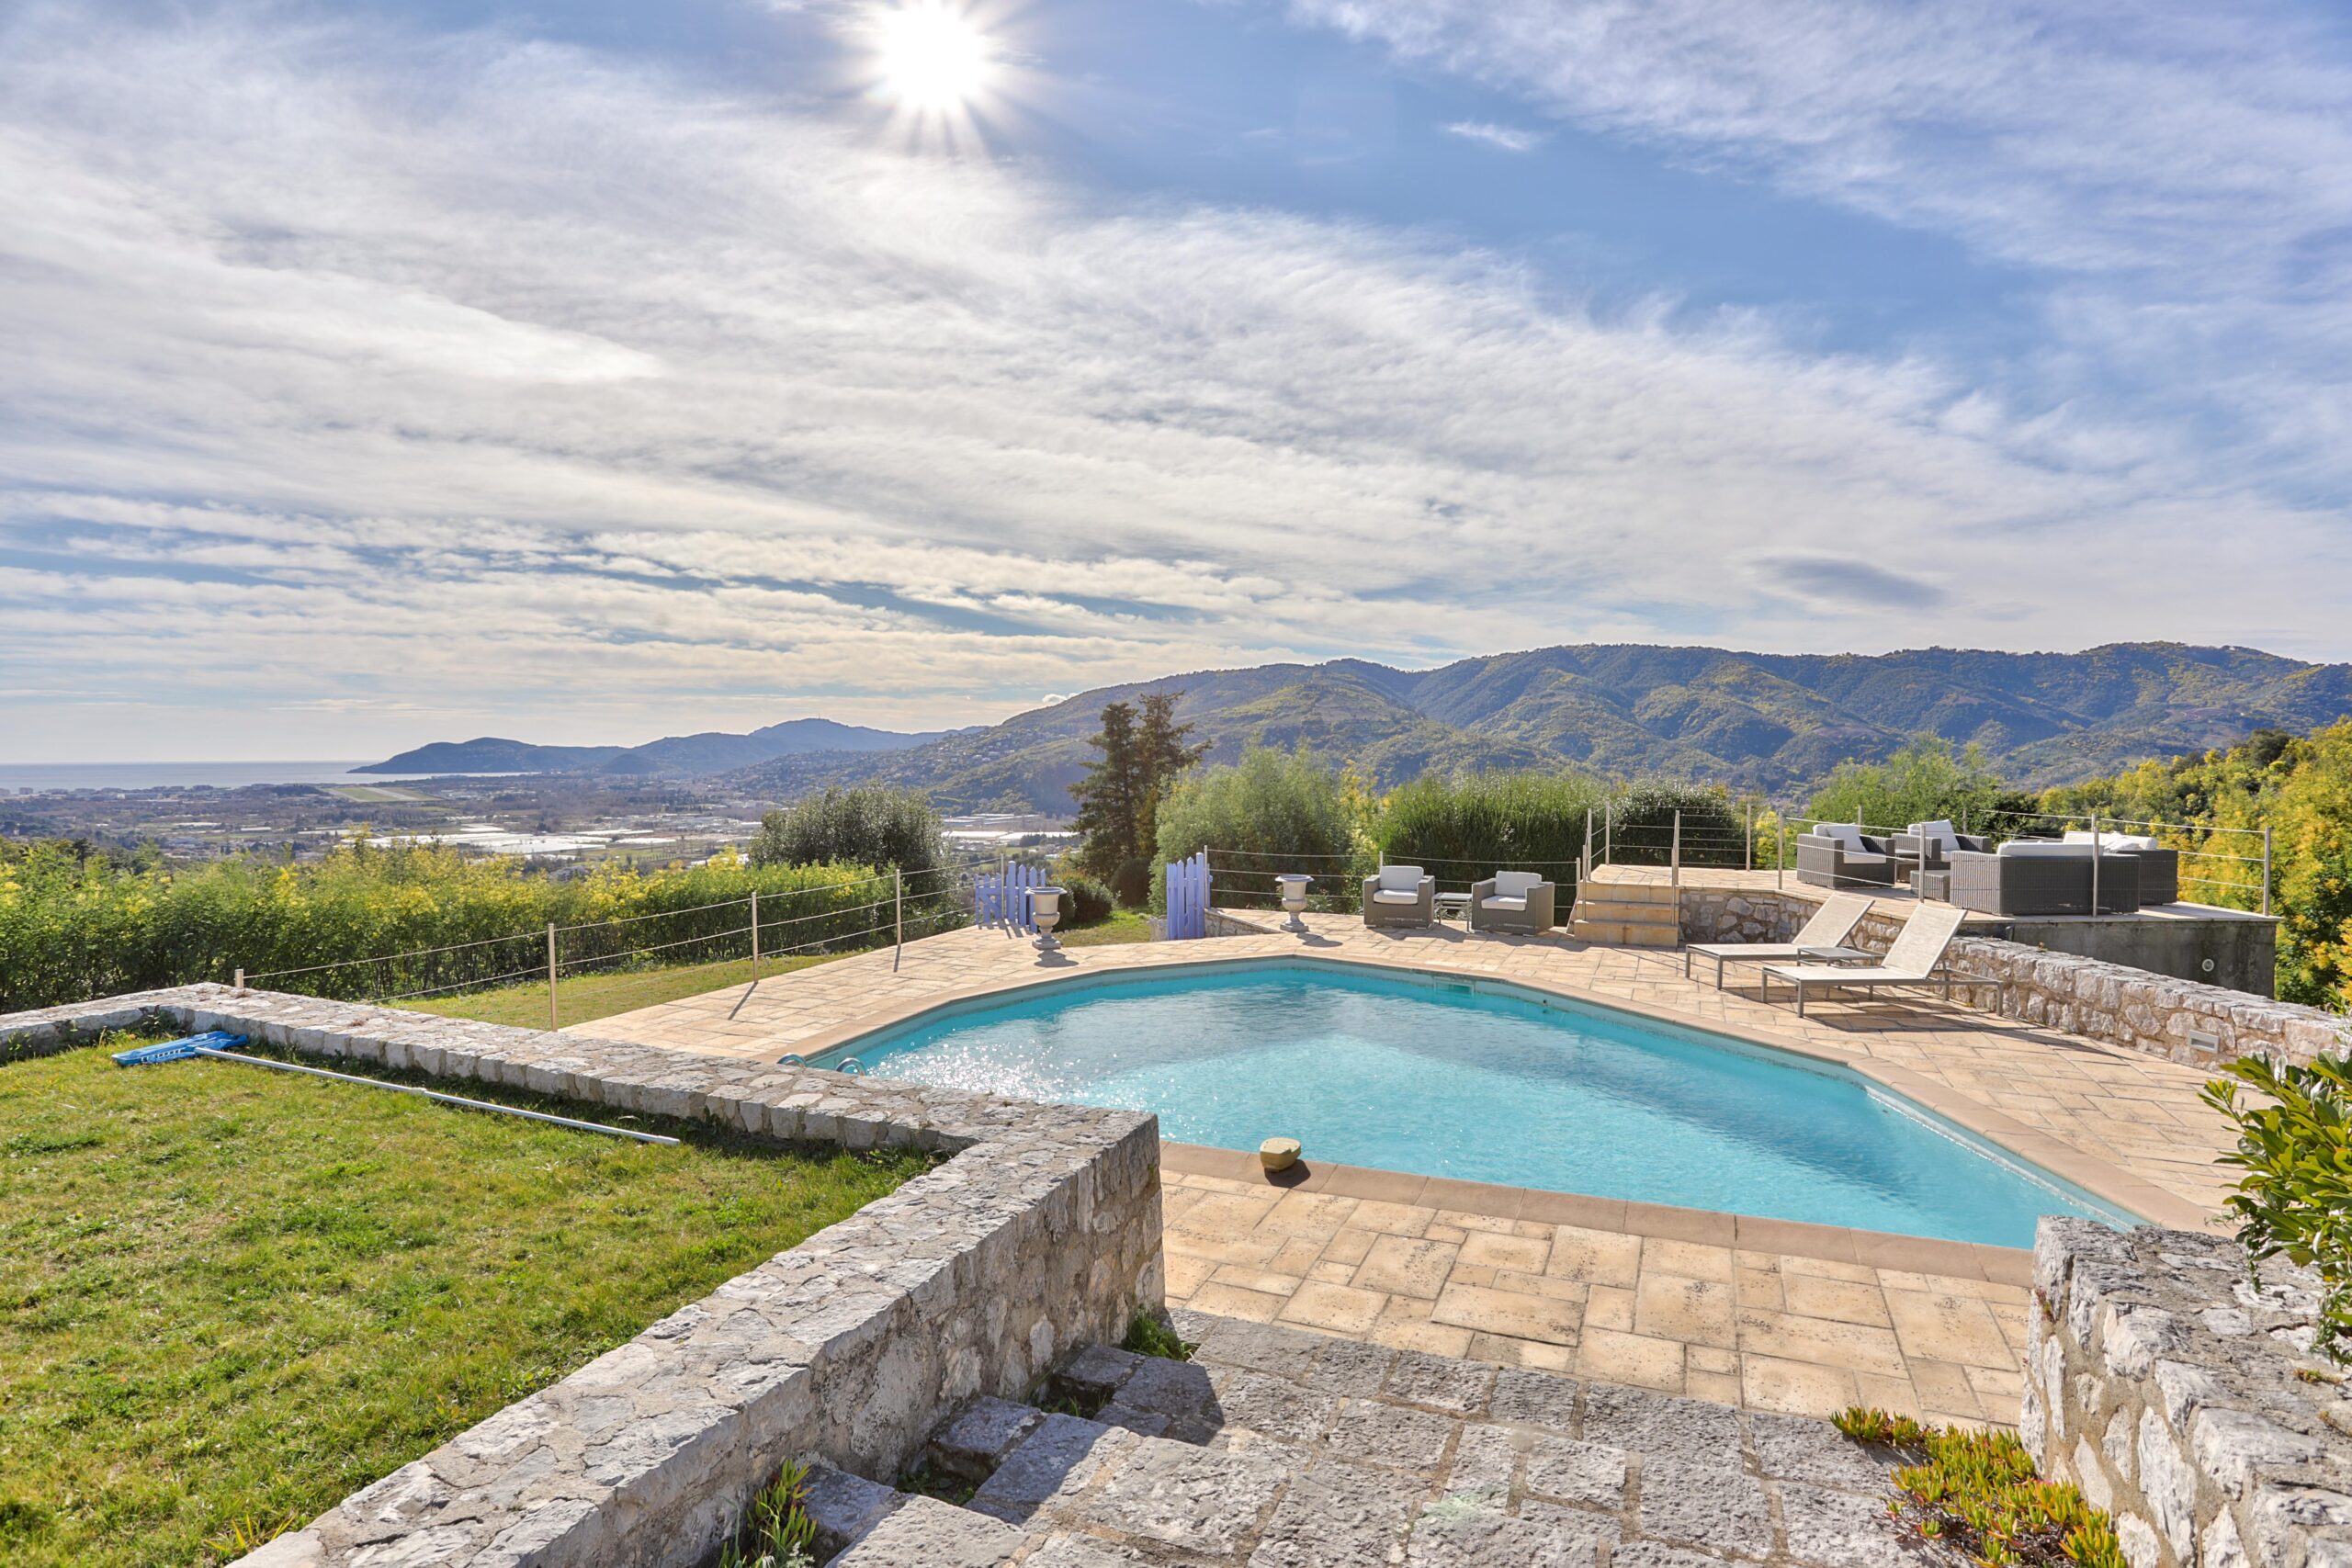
163 776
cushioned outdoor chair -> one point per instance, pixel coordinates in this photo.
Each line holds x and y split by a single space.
1838 854
1399 896
1512 901
1931 845
1821 939
2042 876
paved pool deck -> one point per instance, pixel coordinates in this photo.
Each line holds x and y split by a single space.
1763 1314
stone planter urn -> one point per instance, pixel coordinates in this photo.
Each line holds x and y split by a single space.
1045 908
1293 895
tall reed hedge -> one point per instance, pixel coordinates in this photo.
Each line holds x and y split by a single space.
71 930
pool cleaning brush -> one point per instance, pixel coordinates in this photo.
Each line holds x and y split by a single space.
178 1050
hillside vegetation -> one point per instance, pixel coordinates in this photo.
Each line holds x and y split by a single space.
73 928
1773 723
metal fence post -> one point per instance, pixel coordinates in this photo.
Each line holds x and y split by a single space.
1608 831
1674 854
1584 871
755 936
553 1023
1749 858
2266 871
2094 863
1781 853
898 914
240 981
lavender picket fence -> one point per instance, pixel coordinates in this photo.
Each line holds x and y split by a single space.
1002 897
1188 897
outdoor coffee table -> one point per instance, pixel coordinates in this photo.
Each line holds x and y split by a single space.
1452 904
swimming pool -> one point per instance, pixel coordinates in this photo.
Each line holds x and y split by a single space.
1484 1082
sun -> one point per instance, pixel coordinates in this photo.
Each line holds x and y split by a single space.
931 57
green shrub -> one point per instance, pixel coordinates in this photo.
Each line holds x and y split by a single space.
873 825
1924 781
1131 883
2295 1200
1714 828
71 930
1977 1491
1086 903
1465 829
1148 1335
1271 811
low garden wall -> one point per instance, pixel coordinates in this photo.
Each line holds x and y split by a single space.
2186 1403
2180 1021
1041 1232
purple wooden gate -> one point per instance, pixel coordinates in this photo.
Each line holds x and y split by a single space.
1002 897
1188 897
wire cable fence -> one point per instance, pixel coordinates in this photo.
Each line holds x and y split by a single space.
826 917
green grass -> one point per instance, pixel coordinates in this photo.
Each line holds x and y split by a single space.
228 1296
1124 925
587 996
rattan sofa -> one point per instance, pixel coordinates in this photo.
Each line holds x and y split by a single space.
1930 846
2039 878
1844 857
2159 867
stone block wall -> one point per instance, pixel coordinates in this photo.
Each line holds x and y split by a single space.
1040 1232
2164 1385
2180 1021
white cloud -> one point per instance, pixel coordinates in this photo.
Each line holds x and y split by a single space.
365 390
1509 138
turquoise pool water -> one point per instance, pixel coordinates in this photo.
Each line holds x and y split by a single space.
1438 1078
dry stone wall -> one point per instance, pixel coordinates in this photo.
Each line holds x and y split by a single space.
1040 1232
2186 1402
2180 1021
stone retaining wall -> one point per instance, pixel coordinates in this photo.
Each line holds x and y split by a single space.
2166 1387
2180 1021
1041 1233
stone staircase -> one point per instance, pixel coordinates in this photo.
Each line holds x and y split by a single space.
1627 914
1278 1449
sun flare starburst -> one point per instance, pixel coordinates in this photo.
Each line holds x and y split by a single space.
931 57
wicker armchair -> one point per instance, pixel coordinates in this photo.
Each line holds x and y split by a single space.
1847 859
1930 845
1512 901
1399 896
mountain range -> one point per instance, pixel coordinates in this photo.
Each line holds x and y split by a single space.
712 751
1775 722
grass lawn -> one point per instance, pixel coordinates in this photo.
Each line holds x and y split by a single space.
229 1296
586 996
1124 925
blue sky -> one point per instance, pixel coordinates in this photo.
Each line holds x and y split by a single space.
593 372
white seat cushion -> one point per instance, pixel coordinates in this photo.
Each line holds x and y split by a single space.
1390 896
2042 849
1401 879
1938 832
2133 841
1517 884
1845 833
1519 905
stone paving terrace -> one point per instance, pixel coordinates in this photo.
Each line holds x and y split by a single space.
1763 1314
1274 1449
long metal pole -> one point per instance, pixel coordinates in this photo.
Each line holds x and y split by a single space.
1674 854
1781 858
898 914
2266 871
2094 862
1748 861
552 1022
755 936
1608 831
430 1094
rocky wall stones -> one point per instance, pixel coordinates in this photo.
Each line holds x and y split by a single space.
2186 1402
1041 1232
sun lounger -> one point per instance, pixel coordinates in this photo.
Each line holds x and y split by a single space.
1917 958
1822 940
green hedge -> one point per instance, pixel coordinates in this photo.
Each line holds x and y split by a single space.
71 930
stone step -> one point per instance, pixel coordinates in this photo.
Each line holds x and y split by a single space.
1625 933
1651 893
